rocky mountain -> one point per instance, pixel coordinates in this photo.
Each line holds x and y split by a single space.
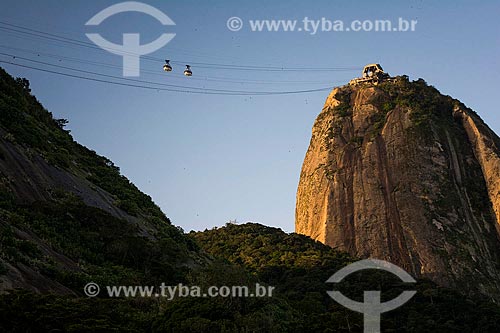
397 171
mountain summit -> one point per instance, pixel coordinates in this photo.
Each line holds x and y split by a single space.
400 172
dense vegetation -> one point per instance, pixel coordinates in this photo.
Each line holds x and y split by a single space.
108 250
426 103
299 267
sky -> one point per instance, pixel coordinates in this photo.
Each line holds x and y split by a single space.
206 159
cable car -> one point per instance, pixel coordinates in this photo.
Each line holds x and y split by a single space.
167 67
187 71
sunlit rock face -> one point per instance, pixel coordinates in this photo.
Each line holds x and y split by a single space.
399 172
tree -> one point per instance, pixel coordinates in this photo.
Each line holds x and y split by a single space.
24 83
61 123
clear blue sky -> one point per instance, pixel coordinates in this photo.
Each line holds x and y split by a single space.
206 159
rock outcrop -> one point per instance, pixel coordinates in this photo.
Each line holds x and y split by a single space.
402 173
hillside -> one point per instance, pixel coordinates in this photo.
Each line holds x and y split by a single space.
401 172
67 216
299 267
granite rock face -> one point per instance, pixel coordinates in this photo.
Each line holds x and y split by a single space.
402 173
